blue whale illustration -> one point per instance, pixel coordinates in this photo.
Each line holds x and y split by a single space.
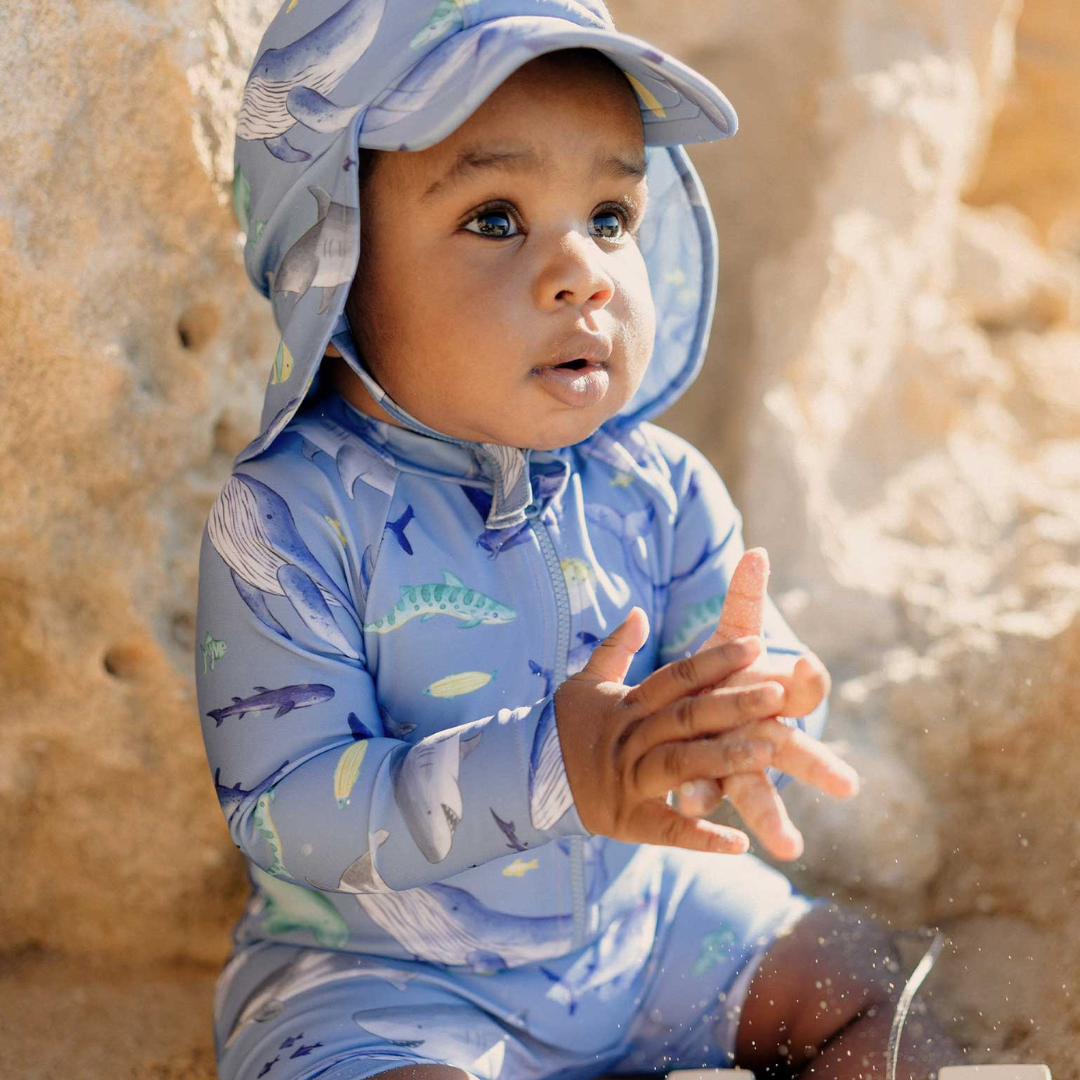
288 86
252 529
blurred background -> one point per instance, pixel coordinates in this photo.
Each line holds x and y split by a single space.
892 394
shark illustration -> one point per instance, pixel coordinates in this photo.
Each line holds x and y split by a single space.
508 830
309 969
284 699
252 529
450 1033
394 729
632 530
614 961
549 790
324 256
545 673
452 598
443 924
288 86
494 541
426 789
579 655
287 907
356 458
230 798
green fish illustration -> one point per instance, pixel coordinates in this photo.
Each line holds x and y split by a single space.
292 907
714 948
452 598
212 651
264 823
705 613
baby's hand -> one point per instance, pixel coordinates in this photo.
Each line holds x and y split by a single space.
806 682
625 747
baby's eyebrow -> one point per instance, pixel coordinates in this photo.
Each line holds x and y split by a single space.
473 159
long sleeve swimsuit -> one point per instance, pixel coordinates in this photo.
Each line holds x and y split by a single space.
375 679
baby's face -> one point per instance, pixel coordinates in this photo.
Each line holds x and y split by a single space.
477 280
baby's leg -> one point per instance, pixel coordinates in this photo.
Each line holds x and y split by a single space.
826 993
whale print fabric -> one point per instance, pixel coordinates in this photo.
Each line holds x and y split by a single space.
381 727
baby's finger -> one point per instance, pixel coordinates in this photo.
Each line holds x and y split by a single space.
700 714
668 766
805 758
697 798
760 806
744 605
654 822
704 669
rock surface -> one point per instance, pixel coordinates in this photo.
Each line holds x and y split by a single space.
893 395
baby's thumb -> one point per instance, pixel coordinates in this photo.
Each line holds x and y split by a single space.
611 659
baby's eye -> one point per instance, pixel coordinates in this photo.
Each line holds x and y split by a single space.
493 223
496 222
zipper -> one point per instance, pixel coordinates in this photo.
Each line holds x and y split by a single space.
562 649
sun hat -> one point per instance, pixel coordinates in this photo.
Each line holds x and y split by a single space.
334 75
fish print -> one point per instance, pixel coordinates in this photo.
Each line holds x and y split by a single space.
230 798
464 682
397 528
212 651
715 947
519 868
283 700
264 825
549 789
347 772
443 924
450 1033
252 529
579 655
508 831
699 617
310 969
291 907
632 530
611 963
287 86
579 577
323 257
494 541
336 526
355 457
452 598
282 366
545 673
426 789
393 728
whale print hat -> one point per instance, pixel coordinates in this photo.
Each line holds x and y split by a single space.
332 75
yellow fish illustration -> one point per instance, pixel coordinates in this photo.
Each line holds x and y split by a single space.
519 868
647 98
292 4
347 771
621 479
463 682
337 528
579 577
283 363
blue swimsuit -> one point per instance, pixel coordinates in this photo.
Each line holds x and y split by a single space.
385 613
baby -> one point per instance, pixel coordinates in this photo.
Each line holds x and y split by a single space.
469 621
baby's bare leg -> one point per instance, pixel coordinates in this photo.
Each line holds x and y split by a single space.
425 1072
822 1003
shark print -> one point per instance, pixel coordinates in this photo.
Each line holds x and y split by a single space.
443 924
323 257
393 728
230 798
310 969
457 1032
545 673
252 529
508 830
631 529
579 655
355 457
283 700
426 789
614 961
212 651
494 541
288 86
452 598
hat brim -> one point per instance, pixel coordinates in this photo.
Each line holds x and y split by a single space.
678 105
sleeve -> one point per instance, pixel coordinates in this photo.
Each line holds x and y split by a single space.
707 547
317 785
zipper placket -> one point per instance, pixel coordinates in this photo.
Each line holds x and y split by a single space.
562 649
